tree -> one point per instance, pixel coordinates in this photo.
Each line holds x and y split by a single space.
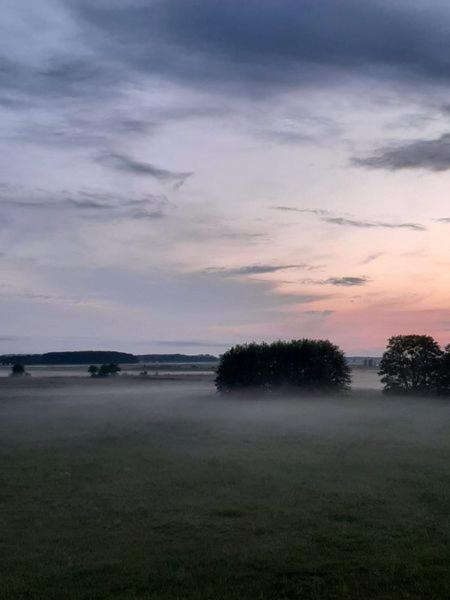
93 370
17 370
107 370
444 373
411 364
300 364
114 369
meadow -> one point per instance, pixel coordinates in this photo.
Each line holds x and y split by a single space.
138 488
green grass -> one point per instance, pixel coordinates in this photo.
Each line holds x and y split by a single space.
139 490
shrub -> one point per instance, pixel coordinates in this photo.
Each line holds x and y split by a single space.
306 364
93 370
104 370
411 364
17 370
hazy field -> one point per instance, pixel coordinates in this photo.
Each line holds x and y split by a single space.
136 489
183 369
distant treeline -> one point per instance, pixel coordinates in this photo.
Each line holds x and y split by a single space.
90 357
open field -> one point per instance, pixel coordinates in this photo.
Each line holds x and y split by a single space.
141 489
183 369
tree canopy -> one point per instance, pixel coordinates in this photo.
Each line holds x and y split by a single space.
104 370
300 364
411 364
17 370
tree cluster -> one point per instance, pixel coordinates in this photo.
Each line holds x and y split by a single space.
415 364
300 364
105 370
18 370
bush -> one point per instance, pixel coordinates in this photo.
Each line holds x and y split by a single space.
306 364
412 364
93 370
104 370
17 370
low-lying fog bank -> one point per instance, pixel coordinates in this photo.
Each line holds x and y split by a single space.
133 488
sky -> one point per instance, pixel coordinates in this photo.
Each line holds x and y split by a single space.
184 175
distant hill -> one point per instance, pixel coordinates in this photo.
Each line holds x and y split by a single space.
96 357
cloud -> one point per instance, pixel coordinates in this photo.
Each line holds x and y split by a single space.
338 281
318 313
327 217
346 281
121 162
270 44
312 211
373 224
147 214
253 269
372 257
443 220
82 202
432 155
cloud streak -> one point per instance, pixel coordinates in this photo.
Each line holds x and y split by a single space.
338 281
312 211
121 162
254 269
431 155
372 224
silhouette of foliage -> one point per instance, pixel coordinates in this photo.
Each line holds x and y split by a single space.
93 370
98 357
411 364
105 370
17 370
300 364
444 373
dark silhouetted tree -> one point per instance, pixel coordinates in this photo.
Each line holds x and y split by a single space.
301 364
107 370
411 364
17 370
444 373
93 370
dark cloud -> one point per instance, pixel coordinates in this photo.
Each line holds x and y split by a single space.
269 43
254 269
373 224
444 220
147 214
433 155
346 281
87 204
258 45
59 78
121 162
339 281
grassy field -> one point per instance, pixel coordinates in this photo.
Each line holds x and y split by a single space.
137 489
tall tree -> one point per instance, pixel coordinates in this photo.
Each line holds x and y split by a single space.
411 364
